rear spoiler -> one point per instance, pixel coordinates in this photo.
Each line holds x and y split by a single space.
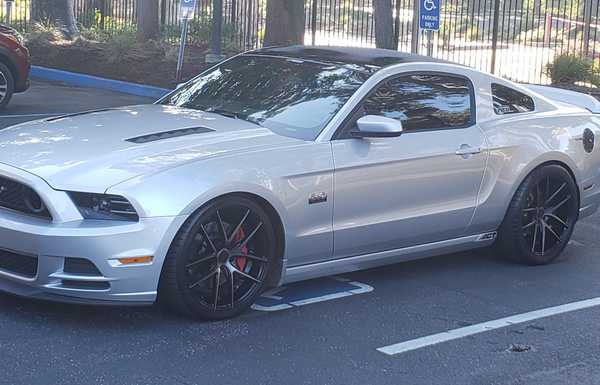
573 98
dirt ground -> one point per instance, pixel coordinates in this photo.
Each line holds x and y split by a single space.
146 64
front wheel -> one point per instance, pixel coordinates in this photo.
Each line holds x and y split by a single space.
541 217
220 260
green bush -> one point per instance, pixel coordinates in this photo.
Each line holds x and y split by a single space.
570 68
119 45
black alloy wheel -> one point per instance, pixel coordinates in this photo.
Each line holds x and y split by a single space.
221 259
541 217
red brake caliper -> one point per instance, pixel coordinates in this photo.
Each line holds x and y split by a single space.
241 261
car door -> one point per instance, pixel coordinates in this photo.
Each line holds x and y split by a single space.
417 188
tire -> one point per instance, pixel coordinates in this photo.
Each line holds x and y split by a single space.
541 217
7 85
220 260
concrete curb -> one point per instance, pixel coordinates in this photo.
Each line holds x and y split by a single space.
82 80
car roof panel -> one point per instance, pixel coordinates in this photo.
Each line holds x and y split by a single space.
347 55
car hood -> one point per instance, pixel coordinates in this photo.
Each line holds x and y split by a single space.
93 151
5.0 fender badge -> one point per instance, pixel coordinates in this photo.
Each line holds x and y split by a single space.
317 198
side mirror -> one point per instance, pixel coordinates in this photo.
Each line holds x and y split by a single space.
373 126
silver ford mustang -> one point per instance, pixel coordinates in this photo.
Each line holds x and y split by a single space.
285 164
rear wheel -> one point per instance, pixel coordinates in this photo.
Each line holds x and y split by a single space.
220 260
7 85
541 217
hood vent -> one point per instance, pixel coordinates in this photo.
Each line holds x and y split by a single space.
169 134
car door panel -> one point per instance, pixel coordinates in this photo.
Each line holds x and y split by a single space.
397 192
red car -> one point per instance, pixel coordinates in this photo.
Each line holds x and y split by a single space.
14 64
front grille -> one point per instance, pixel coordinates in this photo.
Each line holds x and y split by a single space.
19 197
24 265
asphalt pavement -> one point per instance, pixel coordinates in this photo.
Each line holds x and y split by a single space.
325 331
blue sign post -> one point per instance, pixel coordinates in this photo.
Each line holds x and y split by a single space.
186 12
429 20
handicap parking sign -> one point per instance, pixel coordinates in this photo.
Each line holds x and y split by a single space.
187 9
429 15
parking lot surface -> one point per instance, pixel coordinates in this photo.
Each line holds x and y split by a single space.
324 331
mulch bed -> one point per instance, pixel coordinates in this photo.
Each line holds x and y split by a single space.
146 64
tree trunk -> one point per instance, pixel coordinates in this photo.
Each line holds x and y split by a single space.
285 22
59 12
147 20
384 25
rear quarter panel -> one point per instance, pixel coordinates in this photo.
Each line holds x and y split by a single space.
521 142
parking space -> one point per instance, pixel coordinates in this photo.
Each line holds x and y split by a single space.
325 331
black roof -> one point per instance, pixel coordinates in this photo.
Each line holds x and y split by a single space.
348 55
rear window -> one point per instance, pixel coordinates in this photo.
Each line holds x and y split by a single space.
509 101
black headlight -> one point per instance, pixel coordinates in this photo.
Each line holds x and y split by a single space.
104 207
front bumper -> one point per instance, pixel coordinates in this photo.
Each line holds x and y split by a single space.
69 236
100 243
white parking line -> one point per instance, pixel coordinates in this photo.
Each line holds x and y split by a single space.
454 334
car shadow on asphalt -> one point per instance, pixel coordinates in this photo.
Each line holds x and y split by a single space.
452 267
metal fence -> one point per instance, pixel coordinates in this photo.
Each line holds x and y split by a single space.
513 38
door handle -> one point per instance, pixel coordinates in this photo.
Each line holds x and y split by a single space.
465 150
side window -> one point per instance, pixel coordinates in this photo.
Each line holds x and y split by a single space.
509 101
429 101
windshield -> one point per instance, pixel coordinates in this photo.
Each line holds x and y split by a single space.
291 97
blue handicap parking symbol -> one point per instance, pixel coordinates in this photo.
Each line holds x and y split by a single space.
308 292
429 15
187 9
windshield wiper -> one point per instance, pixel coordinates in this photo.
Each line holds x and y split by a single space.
222 112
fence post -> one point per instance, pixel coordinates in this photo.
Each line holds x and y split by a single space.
8 16
548 31
587 25
495 35
313 21
414 44
397 25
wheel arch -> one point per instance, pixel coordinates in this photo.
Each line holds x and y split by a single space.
7 61
536 166
277 270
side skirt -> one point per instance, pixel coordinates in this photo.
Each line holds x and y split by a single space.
367 261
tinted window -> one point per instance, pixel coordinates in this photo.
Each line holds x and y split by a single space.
292 97
423 101
509 101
